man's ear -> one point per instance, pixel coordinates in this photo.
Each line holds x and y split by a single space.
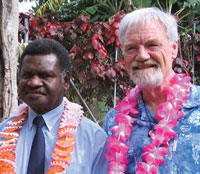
174 50
66 81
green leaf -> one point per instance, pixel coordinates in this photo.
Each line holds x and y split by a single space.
91 10
142 3
96 18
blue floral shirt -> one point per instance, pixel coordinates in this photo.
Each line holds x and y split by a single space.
184 151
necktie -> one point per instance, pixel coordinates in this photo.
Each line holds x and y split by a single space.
37 156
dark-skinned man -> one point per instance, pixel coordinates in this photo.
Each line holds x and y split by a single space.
48 133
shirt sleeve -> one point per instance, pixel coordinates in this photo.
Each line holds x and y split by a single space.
89 154
100 164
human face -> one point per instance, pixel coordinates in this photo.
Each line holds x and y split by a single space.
148 54
41 85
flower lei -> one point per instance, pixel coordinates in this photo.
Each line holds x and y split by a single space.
168 114
61 157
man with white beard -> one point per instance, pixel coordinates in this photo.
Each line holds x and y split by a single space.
155 129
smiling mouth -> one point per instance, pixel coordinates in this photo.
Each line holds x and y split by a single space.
144 66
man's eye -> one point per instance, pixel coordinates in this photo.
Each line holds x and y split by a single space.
26 75
131 48
153 45
43 75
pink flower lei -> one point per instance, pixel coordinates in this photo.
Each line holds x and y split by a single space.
61 157
168 114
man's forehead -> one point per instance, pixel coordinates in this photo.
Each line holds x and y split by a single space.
150 32
146 25
40 60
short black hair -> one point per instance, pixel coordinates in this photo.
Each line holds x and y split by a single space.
48 46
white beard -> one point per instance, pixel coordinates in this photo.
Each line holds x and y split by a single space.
149 78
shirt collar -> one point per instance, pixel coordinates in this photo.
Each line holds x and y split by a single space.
194 98
50 117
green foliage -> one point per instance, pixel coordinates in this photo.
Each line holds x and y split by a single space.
166 4
49 5
68 11
110 7
190 10
142 3
97 10
192 4
99 109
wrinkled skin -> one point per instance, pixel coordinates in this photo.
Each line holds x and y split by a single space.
147 50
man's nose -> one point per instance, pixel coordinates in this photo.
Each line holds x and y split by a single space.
143 54
35 81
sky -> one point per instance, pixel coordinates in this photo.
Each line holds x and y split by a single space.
25 6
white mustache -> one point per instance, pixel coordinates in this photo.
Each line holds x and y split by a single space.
147 63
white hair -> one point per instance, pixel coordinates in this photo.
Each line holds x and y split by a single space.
145 15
